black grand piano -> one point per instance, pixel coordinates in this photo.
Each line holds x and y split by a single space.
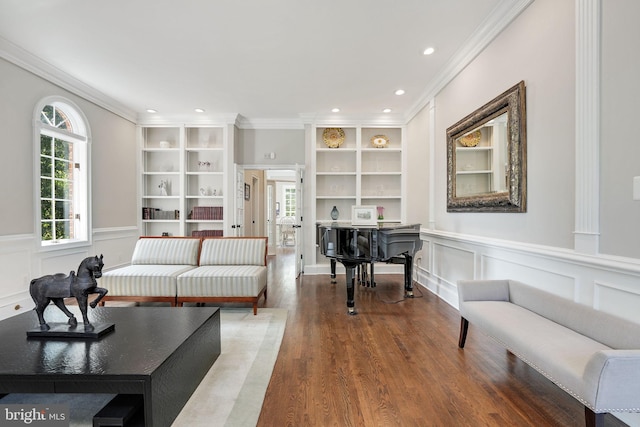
356 246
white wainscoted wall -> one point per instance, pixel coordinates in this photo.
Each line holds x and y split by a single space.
21 261
607 283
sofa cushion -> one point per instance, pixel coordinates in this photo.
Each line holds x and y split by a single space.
223 281
143 280
234 251
166 251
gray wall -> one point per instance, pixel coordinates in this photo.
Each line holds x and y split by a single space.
538 47
287 144
619 147
113 163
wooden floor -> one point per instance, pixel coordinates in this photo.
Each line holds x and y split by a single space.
396 363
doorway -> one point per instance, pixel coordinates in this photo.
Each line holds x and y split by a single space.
275 210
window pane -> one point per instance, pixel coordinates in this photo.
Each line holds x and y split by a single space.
62 149
46 211
45 188
47 228
47 115
45 166
45 145
63 169
61 121
63 210
62 230
62 189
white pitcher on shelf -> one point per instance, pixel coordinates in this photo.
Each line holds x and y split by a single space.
164 187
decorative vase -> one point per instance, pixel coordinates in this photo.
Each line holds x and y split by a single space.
380 212
334 213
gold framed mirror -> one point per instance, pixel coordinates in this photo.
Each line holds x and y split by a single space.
486 157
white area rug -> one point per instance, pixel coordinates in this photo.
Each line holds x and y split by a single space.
232 392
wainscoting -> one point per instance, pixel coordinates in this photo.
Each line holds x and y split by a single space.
22 260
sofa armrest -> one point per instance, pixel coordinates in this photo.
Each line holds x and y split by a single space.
614 377
483 290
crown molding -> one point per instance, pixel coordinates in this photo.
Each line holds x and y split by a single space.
381 120
149 119
277 123
501 16
28 61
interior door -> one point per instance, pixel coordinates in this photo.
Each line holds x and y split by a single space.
236 226
299 220
271 217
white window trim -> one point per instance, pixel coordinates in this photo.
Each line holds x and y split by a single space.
80 119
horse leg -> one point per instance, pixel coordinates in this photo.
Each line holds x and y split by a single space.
101 293
82 303
59 302
40 306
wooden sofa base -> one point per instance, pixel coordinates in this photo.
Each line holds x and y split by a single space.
170 300
212 299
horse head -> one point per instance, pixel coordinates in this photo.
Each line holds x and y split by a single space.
91 266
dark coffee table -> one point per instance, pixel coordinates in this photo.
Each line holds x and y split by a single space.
161 353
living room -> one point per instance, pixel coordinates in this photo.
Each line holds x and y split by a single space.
577 239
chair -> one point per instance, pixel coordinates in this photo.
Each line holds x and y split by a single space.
288 231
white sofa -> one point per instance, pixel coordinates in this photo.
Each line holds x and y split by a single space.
187 269
153 274
592 355
232 269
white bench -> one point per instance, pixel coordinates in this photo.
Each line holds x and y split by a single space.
592 355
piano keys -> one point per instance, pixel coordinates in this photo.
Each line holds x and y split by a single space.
354 246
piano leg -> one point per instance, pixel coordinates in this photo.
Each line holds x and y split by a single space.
373 282
350 268
333 270
408 273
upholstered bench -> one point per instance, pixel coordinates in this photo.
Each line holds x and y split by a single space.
231 269
155 266
592 355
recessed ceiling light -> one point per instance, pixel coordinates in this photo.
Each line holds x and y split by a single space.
199 110
386 110
151 110
335 110
400 92
428 51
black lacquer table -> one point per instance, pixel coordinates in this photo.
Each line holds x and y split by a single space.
161 353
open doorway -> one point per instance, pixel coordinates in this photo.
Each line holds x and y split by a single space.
271 210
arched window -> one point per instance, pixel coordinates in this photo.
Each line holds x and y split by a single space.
62 174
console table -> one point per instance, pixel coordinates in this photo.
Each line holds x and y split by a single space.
161 353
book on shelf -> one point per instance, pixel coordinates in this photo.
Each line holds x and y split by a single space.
155 213
207 213
207 233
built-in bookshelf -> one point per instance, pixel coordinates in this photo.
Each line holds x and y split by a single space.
184 180
358 172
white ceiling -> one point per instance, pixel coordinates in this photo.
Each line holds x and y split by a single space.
276 60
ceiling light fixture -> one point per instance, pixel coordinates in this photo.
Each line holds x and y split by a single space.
428 51
400 92
335 110
199 110
386 110
151 110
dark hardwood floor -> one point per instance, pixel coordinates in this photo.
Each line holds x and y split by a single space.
396 363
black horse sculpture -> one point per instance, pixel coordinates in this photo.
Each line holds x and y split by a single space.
56 287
